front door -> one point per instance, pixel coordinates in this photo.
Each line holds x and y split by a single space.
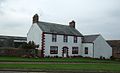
65 52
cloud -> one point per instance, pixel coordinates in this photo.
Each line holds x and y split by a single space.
114 13
1 1
91 16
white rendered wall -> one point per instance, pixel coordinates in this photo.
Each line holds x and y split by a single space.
61 44
90 49
101 48
35 34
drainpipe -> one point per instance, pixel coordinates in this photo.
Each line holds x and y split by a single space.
93 50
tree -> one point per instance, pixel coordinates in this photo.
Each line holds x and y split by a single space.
29 45
30 48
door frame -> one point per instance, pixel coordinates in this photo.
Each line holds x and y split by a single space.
65 50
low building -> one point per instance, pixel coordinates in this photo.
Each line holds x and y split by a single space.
95 46
115 44
11 41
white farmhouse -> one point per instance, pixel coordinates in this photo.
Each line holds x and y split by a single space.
95 46
64 40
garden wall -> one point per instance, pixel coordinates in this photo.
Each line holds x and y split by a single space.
18 52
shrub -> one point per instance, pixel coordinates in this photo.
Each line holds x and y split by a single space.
112 58
55 56
101 57
47 56
79 56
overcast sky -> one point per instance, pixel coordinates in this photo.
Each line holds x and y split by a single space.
91 16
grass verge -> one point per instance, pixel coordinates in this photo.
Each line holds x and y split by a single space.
68 67
78 60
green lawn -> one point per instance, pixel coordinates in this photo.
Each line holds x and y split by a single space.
79 60
85 64
71 67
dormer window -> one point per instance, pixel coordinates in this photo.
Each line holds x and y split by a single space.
54 38
65 38
75 39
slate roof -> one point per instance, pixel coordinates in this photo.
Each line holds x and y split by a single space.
89 38
114 43
58 29
12 37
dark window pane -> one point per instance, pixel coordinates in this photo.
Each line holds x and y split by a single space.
53 49
65 38
74 50
54 37
75 39
86 50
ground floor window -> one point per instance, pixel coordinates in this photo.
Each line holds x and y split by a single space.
74 50
53 49
86 50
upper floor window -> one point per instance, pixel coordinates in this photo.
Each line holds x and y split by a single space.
86 50
75 39
53 49
54 37
65 38
74 50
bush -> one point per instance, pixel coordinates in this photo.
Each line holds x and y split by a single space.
55 56
101 57
112 58
79 56
47 56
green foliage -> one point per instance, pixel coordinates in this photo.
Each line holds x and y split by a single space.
29 45
112 58
30 49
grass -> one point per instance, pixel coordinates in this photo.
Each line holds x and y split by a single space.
64 67
78 60
86 64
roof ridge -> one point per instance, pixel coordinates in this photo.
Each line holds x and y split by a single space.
54 23
11 36
92 35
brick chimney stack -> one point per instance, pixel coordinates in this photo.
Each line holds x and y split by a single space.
72 24
35 18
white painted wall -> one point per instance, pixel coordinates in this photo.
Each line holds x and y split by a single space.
101 48
35 34
61 44
90 49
